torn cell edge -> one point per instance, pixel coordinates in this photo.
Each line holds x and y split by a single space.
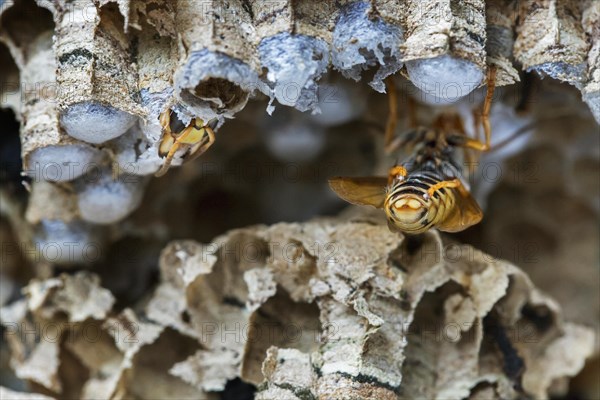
360 42
562 71
294 63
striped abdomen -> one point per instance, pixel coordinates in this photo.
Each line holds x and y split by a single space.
410 209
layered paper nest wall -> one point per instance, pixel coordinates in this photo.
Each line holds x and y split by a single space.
119 285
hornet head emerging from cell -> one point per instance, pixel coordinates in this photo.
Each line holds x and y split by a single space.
195 138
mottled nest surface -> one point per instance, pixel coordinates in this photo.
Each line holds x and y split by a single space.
240 274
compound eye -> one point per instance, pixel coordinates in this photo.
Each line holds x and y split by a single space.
212 124
175 123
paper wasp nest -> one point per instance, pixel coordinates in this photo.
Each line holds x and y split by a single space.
325 309
97 299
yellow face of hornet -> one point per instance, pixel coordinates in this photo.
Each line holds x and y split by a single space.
196 137
427 190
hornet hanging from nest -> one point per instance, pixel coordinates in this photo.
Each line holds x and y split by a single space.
427 190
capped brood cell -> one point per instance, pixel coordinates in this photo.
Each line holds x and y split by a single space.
67 243
47 152
103 198
96 72
444 50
